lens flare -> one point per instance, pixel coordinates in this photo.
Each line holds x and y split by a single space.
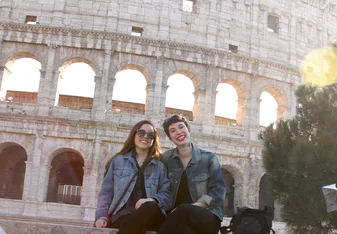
319 67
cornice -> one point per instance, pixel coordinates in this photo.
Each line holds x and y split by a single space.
147 41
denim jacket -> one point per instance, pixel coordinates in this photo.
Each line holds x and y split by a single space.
204 177
120 172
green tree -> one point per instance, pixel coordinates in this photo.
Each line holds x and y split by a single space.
300 156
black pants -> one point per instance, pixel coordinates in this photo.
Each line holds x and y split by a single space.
190 219
147 218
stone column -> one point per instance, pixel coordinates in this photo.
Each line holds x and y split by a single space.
97 109
162 107
155 99
151 98
102 99
43 182
108 104
33 178
251 118
48 83
26 185
200 107
4 72
89 199
35 172
208 110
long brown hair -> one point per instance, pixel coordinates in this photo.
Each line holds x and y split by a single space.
129 144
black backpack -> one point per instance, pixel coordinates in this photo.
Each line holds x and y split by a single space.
250 221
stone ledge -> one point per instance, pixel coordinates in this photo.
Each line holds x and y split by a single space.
25 227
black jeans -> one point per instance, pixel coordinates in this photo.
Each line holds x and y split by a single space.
190 219
147 218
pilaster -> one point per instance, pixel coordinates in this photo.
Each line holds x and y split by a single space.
48 83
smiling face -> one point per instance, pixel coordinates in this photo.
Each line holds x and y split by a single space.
179 133
143 142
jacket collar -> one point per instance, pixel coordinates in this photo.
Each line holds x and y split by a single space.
196 155
129 156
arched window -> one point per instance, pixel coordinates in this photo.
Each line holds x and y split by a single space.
129 92
180 96
66 178
268 109
76 86
226 105
21 81
12 171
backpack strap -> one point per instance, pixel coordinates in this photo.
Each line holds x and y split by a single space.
226 229
265 219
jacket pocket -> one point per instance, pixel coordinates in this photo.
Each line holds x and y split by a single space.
201 177
200 181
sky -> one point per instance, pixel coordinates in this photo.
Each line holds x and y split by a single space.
25 77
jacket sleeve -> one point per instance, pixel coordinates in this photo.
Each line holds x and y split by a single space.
216 189
163 195
105 195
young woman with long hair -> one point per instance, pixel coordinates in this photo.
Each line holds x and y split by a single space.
135 193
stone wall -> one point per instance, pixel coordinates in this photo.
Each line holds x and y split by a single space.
194 44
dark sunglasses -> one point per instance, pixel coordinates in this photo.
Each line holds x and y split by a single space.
142 133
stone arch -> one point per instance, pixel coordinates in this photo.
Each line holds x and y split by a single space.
72 100
66 177
137 67
71 60
241 93
145 65
16 140
234 192
21 50
192 75
196 83
19 94
280 98
19 55
59 147
266 197
131 107
13 159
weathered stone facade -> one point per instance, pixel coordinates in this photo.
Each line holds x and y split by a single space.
173 41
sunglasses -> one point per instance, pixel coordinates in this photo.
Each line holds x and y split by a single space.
142 133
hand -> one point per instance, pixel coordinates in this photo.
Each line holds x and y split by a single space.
200 204
101 223
142 201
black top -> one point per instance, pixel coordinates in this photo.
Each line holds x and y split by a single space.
183 195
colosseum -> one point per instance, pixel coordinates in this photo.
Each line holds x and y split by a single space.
55 142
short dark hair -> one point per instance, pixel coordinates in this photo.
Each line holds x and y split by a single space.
174 119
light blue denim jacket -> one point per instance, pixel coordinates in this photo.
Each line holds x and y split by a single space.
120 172
204 178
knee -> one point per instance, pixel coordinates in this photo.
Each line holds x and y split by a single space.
183 208
150 207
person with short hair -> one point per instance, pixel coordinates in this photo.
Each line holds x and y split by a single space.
132 202
197 184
